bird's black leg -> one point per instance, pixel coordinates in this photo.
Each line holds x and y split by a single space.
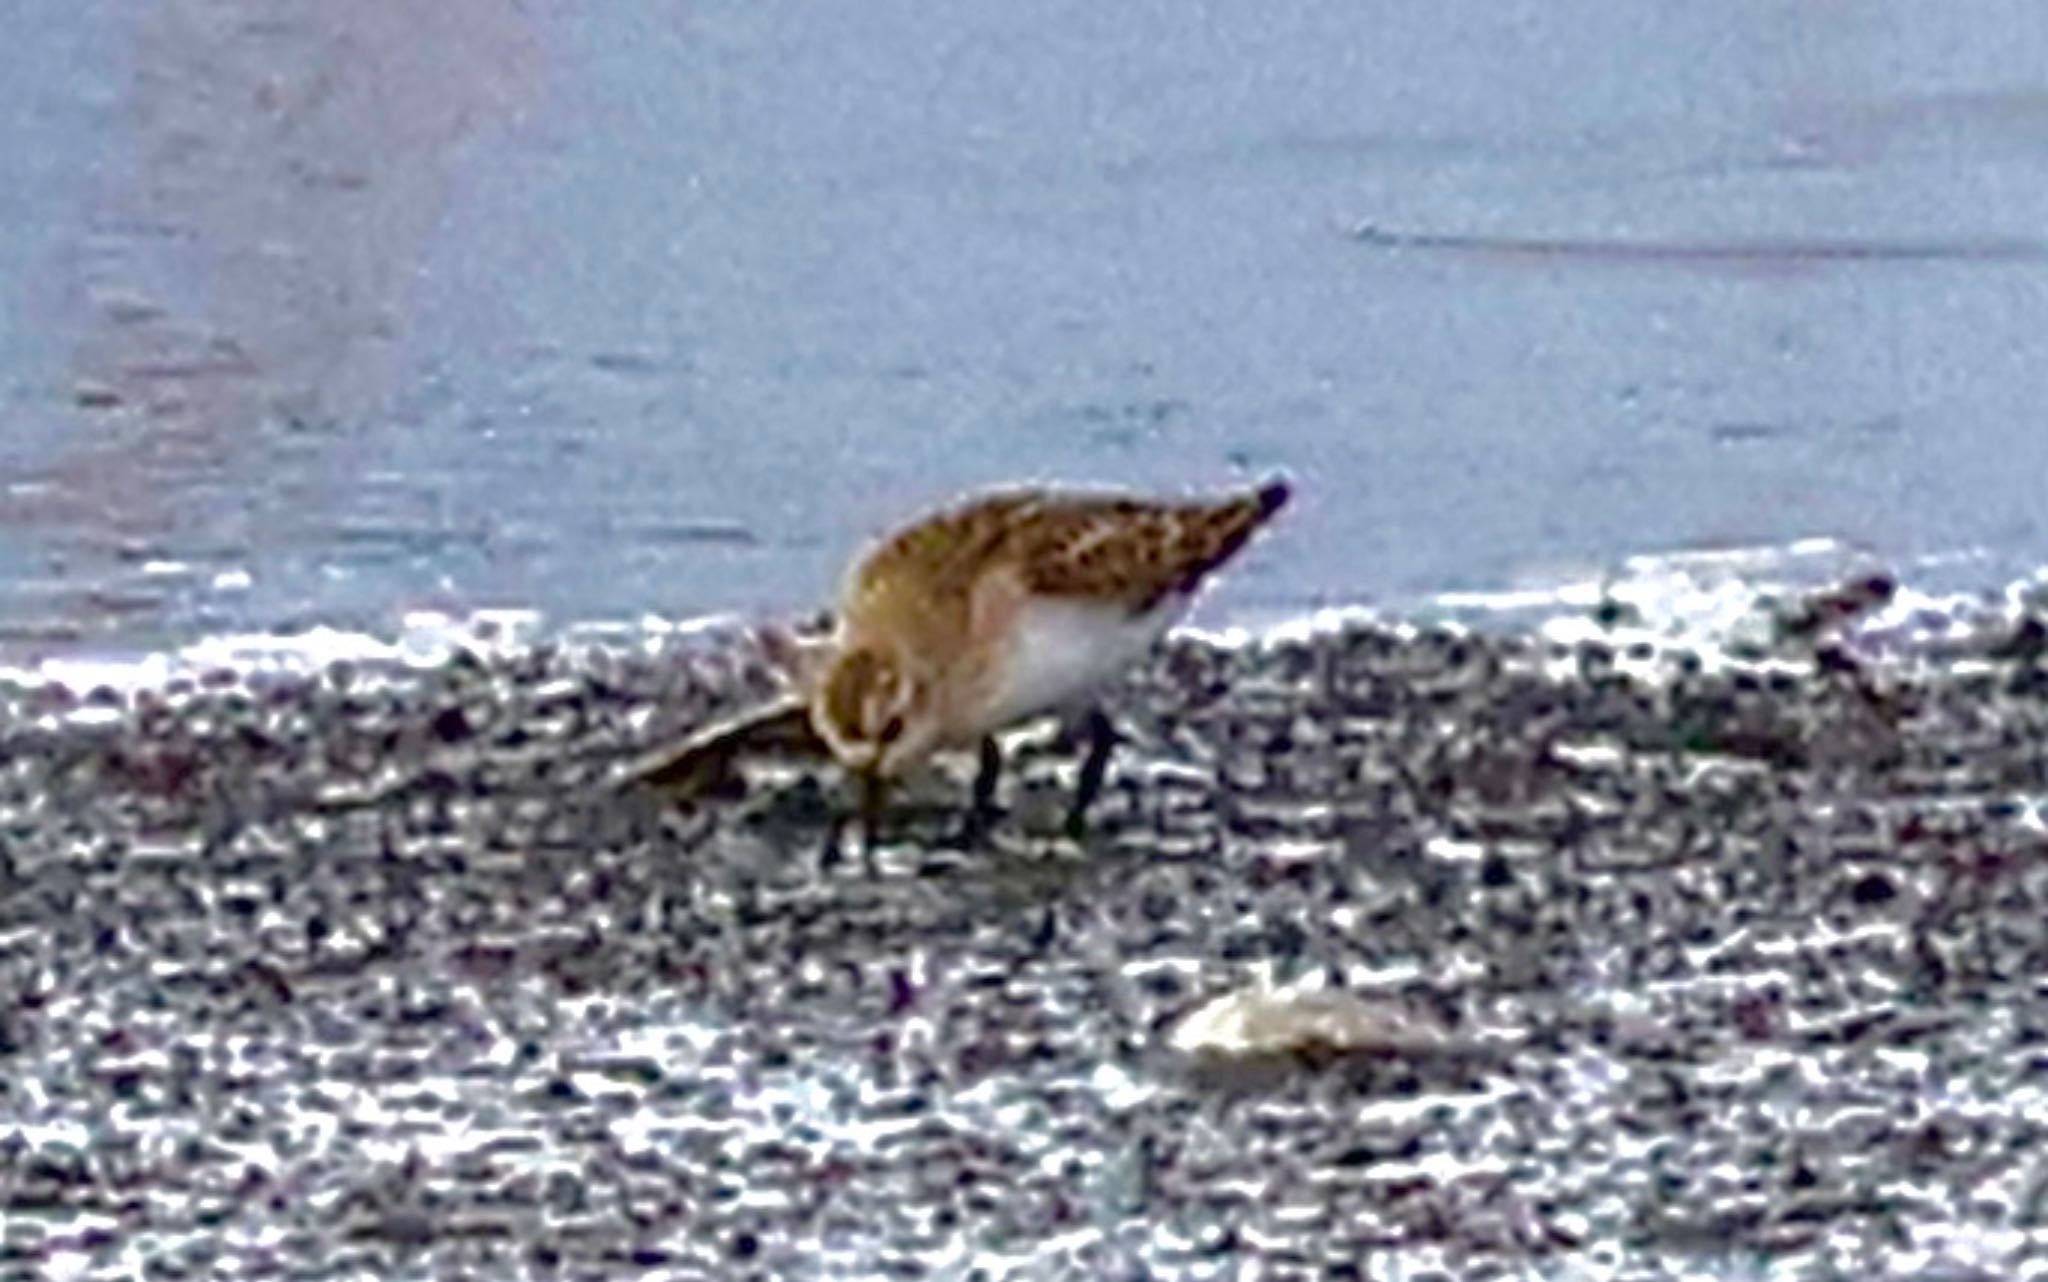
1101 737
873 792
981 808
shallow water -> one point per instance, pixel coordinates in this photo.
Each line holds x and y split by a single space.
322 315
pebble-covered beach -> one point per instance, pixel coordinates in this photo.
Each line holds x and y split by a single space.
1392 951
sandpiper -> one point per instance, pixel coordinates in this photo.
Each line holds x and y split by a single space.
1008 606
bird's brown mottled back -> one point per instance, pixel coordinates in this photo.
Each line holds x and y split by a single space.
1139 553
1105 547
949 548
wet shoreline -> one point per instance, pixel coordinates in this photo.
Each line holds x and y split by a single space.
379 970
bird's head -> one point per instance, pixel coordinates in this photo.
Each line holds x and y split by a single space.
872 709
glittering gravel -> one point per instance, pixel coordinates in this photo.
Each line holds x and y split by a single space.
1731 970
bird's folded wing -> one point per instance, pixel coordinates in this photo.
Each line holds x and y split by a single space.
1138 553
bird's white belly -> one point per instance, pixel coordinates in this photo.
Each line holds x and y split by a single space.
1059 652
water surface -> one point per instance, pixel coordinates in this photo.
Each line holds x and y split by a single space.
322 314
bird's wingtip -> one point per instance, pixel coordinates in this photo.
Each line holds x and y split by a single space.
1274 493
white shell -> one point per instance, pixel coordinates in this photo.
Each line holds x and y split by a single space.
1290 1019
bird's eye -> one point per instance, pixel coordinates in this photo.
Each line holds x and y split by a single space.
892 729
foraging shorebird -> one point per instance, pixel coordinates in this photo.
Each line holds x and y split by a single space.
1004 607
